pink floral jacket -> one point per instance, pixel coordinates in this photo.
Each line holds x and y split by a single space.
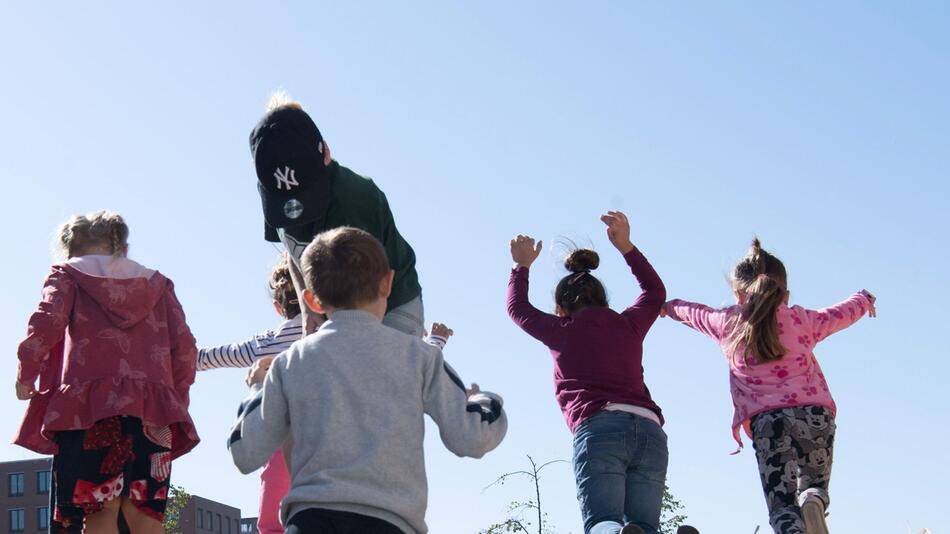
794 380
108 338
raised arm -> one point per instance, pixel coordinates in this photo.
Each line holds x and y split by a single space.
699 317
184 351
542 326
47 325
439 335
468 425
644 311
295 248
827 321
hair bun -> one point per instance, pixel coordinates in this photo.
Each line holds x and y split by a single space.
581 260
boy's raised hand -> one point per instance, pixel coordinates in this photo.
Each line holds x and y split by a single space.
524 251
618 230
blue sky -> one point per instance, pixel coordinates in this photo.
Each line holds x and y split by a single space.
823 128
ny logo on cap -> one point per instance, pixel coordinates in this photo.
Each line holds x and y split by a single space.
285 177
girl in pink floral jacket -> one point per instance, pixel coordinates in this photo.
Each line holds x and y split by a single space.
115 360
779 392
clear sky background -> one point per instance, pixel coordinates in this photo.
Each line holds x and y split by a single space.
824 129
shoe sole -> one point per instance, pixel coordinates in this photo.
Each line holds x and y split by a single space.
814 518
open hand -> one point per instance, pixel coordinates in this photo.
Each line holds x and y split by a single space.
25 391
663 310
259 370
524 251
618 230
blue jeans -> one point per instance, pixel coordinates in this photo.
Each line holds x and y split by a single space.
620 468
408 318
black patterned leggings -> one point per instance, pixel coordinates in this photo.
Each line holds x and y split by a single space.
794 449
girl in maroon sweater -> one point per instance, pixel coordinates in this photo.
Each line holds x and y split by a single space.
620 452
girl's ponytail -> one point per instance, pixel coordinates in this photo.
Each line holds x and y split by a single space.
761 279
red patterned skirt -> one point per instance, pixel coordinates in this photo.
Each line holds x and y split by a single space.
117 457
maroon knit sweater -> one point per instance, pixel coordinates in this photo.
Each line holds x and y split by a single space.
597 352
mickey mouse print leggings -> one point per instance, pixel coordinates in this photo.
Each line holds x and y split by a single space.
794 449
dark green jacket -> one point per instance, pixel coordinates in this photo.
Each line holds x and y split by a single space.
356 201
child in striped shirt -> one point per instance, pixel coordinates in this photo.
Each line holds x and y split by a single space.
269 343
275 481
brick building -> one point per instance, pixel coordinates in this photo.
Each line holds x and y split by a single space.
24 503
24 496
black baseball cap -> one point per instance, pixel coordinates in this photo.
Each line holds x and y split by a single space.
292 180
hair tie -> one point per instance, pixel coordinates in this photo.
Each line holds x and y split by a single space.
577 277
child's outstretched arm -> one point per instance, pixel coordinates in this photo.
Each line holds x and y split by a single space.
699 317
542 326
46 328
184 350
827 321
468 425
245 353
263 420
642 314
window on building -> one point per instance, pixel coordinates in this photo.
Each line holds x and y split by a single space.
42 481
201 518
42 518
227 521
219 523
16 520
16 484
209 520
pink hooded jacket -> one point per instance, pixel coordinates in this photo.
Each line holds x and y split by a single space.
794 380
108 338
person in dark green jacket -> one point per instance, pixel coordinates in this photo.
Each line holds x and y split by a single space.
304 192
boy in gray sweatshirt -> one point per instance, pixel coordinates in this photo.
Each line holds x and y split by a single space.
352 397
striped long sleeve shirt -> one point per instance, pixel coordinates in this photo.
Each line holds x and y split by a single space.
243 354
269 343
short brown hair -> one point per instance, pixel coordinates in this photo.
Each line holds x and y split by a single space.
343 267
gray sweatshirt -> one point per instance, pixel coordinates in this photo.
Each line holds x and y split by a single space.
352 397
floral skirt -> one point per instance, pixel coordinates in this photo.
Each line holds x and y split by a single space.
117 457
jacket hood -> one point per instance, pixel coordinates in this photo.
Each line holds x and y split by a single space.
124 289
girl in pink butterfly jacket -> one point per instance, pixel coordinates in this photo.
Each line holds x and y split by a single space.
780 395
115 360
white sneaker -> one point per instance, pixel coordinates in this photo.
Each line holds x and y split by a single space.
813 512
